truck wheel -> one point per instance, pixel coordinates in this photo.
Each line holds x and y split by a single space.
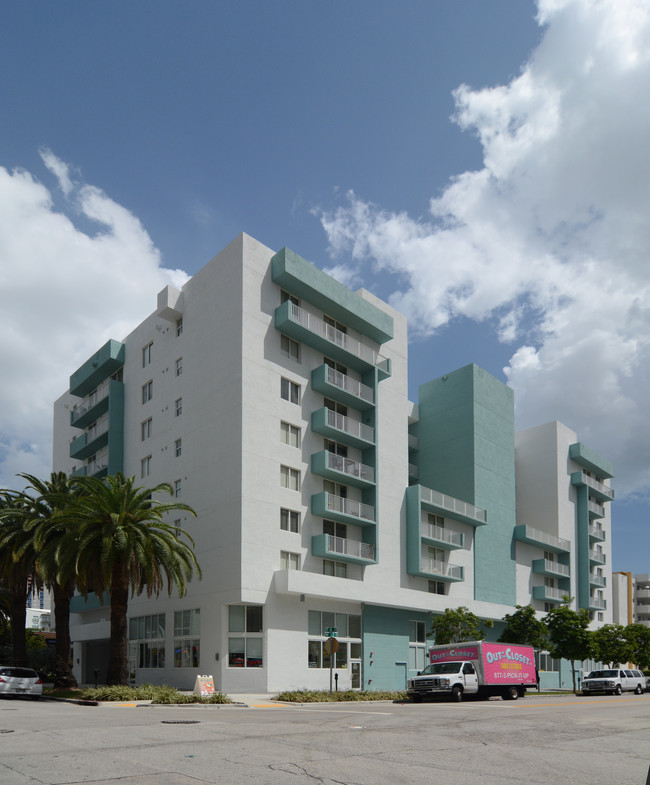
586 692
416 698
638 690
511 694
618 689
457 694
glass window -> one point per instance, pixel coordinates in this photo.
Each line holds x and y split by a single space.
289 478
289 391
147 633
145 466
147 391
284 296
178 406
245 649
146 354
289 521
145 429
290 348
348 627
178 448
289 434
289 561
336 568
179 326
177 488
179 366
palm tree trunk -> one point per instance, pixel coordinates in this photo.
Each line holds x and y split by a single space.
118 672
18 590
63 677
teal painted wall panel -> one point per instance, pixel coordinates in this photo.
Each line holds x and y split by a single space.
386 637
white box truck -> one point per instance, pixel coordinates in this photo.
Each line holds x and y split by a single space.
475 668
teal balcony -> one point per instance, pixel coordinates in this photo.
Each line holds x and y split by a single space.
100 366
307 281
344 470
326 546
549 594
450 507
336 508
597 490
78 604
596 510
342 429
590 460
342 388
88 444
596 534
551 568
549 542
306 328
596 604
598 581
93 407
440 537
440 570
596 557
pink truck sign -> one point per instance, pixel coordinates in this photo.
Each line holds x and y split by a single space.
500 662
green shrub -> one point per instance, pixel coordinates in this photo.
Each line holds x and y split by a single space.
325 696
157 694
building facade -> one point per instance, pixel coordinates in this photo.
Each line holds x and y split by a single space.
274 400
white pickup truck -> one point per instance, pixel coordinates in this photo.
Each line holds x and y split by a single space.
475 668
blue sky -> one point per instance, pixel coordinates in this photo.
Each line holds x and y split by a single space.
507 218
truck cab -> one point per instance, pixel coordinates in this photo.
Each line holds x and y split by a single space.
444 678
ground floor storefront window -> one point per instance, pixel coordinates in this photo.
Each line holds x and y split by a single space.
187 643
147 640
348 635
245 636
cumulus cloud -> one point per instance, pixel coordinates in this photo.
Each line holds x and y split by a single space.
550 239
64 293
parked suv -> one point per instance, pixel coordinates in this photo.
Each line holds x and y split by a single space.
613 681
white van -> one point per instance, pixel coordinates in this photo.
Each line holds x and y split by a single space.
613 681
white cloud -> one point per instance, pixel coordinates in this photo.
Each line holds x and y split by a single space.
551 235
64 293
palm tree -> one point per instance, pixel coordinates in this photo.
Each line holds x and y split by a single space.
54 545
122 543
18 567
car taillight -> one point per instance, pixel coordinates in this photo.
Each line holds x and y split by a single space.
40 681
2 680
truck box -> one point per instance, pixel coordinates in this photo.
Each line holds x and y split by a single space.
475 668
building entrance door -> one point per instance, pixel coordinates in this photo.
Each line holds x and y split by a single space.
355 672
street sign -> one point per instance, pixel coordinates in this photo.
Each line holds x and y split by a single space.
331 632
331 646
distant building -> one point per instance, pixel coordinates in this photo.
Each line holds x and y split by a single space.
274 400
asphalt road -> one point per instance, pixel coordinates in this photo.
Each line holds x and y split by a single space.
568 740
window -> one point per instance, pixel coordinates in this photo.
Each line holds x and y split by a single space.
289 434
335 489
437 587
179 326
289 478
146 354
290 521
289 561
147 391
335 366
334 406
336 325
336 448
436 520
547 663
147 640
290 348
187 643
289 391
178 407
145 429
178 448
335 529
145 466
417 645
179 366
335 568
348 628
284 296
245 641
177 488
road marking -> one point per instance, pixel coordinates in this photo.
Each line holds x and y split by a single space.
573 703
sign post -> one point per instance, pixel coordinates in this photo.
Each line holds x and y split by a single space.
331 646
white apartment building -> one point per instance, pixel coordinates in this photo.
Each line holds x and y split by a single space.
275 401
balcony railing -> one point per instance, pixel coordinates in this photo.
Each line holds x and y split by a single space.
348 425
413 442
597 556
642 594
352 386
338 504
351 345
597 580
597 509
555 567
594 602
551 593
358 550
596 532
87 404
453 505
434 532
347 466
544 538
444 569
413 471
582 478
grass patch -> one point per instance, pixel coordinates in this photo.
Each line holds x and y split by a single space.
325 696
156 694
